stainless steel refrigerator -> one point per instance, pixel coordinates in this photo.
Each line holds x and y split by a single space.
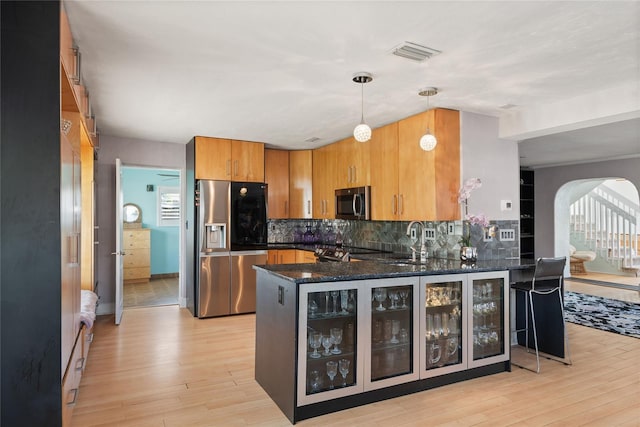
231 237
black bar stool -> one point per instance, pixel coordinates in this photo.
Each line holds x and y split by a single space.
547 278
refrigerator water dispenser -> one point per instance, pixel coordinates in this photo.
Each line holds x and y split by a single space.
215 236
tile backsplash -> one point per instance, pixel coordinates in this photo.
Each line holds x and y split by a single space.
391 236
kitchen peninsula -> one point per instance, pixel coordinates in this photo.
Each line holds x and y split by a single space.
330 336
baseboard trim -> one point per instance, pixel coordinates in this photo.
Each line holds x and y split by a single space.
165 276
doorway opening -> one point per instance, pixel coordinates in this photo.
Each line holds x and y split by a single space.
151 264
598 228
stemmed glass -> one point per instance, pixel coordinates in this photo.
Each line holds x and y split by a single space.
332 371
403 295
380 294
344 300
336 335
343 366
395 328
393 296
334 297
326 303
315 341
327 342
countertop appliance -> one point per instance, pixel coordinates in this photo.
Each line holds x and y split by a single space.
231 232
353 203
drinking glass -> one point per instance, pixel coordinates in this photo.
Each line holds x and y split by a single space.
332 371
327 342
343 366
344 300
430 331
437 325
403 295
336 334
315 381
445 324
386 329
393 296
380 294
334 297
326 303
313 308
315 341
395 328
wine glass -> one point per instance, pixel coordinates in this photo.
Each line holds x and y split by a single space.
336 334
332 371
344 300
393 296
343 366
403 295
334 297
327 342
395 328
313 308
315 381
315 341
380 295
326 303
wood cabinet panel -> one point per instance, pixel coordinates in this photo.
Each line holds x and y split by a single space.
277 177
352 160
304 257
213 158
248 161
384 173
324 181
300 184
428 181
281 256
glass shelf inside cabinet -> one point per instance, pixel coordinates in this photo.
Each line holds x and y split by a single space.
391 331
443 324
488 315
331 340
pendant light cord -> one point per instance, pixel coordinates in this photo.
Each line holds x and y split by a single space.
362 102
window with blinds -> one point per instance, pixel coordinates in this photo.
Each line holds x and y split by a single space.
168 206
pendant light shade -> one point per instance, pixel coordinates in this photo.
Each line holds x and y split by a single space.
362 132
428 141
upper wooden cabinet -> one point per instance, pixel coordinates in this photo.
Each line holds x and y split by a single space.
352 163
384 173
324 181
276 173
227 159
428 181
300 184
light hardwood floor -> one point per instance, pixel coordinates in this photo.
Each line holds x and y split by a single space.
162 367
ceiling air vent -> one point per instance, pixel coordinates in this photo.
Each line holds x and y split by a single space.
414 51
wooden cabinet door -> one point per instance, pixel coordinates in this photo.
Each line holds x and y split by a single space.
447 164
416 176
428 181
304 257
352 165
248 161
276 174
300 183
213 158
324 179
383 147
286 256
272 256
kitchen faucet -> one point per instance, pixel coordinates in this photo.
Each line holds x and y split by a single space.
423 247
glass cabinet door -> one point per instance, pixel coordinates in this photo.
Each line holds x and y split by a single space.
328 356
391 324
490 321
443 323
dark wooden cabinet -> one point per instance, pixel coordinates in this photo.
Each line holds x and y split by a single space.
527 209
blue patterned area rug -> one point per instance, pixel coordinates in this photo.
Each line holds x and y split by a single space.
603 313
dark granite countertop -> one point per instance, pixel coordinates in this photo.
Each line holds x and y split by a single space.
381 268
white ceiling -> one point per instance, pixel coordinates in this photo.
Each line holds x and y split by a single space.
280 72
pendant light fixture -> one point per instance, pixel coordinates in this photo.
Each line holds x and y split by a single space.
362 132
428 141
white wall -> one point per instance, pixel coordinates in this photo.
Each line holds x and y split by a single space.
495 161
547 183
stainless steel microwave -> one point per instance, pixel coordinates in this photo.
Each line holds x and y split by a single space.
353 203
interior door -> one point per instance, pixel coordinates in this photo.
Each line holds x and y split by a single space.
118 252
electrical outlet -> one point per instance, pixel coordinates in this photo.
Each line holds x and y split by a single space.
451 228
507 235
414 236
488 237
430 234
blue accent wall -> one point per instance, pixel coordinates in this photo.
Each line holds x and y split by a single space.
165 246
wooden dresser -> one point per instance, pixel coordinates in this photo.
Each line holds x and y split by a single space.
137 260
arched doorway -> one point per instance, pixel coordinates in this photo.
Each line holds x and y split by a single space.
600 217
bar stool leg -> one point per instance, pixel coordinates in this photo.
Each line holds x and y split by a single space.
567 360
535 333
